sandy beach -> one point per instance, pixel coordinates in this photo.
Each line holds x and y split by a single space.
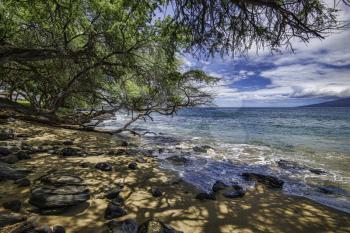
259 210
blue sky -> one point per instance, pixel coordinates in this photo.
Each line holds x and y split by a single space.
315 72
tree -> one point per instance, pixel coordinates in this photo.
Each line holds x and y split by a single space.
109 55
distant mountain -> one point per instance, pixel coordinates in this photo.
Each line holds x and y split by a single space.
335 103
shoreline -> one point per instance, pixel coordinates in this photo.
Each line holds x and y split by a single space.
260 210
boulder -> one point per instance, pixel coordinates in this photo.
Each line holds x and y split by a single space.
218 185
269 181
57 192
205 196
104 166
114 211
155 226
132 166
14 205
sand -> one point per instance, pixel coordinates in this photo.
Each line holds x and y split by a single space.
260 210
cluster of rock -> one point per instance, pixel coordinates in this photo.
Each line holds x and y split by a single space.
55 193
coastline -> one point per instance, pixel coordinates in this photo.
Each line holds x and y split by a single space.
260 210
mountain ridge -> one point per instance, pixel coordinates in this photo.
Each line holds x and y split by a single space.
344 102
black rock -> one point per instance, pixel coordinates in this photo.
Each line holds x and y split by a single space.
269 181
58 229
325 190
285 164
23 155
14 205
205 196
4 151
69 151
118 201
68 142
57 192
114 211
9 219
237 187
43 229
155 226
11 159
6 135
104 166
113 194
317 171
234 193
161 150
219 185
156 192
132 166
202 149
9 173
178 160
85 165
126 226
23 182
124 143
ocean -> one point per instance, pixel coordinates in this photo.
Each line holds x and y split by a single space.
308 148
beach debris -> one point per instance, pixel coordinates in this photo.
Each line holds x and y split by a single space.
114 211
126 226
57 192
14 205
205 196
155 226
219 185
104 166
269 181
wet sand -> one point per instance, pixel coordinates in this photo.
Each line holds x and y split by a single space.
260 210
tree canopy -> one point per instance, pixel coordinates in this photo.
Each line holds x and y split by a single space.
109 55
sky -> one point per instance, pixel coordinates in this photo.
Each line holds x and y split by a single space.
316 72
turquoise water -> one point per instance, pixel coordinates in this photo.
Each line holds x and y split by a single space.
256 140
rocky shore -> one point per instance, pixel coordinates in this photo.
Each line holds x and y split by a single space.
59 180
